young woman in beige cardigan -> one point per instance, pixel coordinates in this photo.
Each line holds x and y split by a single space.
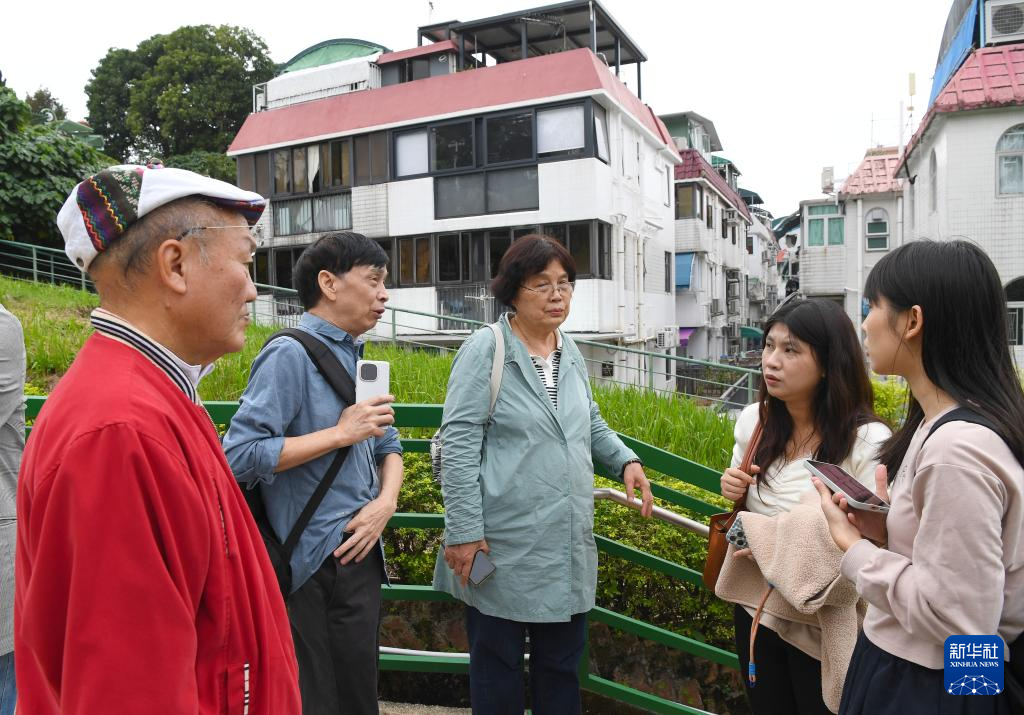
948 559
815 402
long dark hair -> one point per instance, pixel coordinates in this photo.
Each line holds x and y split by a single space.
965 340
843 400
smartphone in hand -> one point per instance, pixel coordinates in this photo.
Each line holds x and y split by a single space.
839 481
373 379
481 569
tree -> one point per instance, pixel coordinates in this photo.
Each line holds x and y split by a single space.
39 165
42 102
177 93
208 163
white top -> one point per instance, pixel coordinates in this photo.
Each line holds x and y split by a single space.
788 481
547 369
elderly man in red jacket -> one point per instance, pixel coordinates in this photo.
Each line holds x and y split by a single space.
142 582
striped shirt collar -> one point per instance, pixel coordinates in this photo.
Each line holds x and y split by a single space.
185 376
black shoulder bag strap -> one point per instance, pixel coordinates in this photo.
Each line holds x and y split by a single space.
341 382
1014 673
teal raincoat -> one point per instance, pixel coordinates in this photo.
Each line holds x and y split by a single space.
524 482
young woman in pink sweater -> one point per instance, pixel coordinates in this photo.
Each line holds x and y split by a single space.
948 559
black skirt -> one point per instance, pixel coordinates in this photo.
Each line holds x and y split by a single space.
880 683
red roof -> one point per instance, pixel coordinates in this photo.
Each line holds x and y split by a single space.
876 173
989 77
433 49
575 72
695 166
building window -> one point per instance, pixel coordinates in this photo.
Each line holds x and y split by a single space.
560 131
601 132
299 175
282 172
414 261
486 192
668 272
1010 161
371 158
724 224
497 243
933 182
876 232
332 212
604 250
261 267
412 154
580 248
246 172
284 264
335 164
387 245
292 217
709 213
827 229
451 146
509 138
1015 318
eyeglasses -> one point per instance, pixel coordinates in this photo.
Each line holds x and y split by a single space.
565 289
196 229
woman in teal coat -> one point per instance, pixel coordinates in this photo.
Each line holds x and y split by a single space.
519 487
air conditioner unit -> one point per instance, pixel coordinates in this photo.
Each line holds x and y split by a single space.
730 215
667 337
1004 21
732 290
733 306
716 306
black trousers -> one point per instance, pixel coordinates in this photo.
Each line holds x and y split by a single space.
496 648
880 683
335 618
788 680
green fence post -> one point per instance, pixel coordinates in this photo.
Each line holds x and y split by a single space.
394 327
35 265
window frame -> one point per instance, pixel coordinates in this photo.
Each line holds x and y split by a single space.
474 139
1002 154
485 120
875 213
485 173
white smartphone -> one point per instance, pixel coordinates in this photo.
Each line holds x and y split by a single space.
373 378
842 482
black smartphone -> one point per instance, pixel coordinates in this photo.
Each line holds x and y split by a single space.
481 569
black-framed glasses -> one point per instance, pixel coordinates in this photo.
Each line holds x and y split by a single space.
565 289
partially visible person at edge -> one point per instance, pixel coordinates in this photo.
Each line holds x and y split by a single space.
519 487
142 582
815 402
288 427
12 443
948 558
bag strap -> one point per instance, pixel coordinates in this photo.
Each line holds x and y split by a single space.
328 365
497 367
960 414
748 461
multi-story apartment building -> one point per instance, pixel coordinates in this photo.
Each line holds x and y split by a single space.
716 244
845 235
448 152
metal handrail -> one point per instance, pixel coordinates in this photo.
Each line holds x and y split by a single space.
659 513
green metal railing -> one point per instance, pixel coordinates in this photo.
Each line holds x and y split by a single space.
719 385
429 416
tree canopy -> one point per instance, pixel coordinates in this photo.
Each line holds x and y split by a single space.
178 93
39 165
42 102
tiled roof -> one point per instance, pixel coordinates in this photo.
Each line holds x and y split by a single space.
990 77
876 173
572 73
695 166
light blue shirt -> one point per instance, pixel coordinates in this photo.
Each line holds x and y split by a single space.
287 397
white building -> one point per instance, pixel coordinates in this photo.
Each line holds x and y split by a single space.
845 235
448 152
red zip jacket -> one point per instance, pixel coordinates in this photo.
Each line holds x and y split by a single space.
142 585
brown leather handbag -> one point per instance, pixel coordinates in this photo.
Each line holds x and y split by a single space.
719 524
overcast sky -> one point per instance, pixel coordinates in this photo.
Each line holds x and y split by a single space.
791 86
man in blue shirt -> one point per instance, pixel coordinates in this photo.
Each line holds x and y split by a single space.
287 429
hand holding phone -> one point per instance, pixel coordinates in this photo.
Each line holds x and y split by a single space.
839 481
373 379
481 569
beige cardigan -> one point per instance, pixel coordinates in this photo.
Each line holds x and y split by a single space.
796 554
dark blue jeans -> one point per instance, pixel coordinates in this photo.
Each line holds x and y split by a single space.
496 648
